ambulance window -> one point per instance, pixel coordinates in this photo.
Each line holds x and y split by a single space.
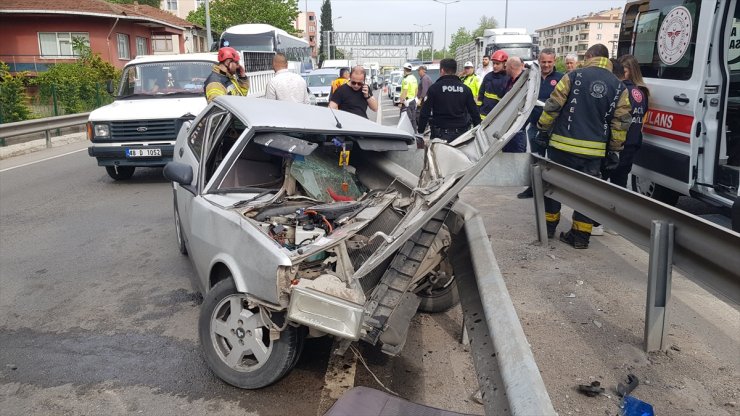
663 55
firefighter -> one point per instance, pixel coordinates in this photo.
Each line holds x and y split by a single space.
471 80
409 86
584 121
450 104
342 79
493 86
228 77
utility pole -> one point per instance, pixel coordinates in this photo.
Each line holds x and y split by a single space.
446 3
422 26
506 14
208 26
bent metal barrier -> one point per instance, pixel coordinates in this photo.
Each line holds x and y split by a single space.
706 253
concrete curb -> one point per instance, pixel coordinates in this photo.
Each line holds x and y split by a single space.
36 145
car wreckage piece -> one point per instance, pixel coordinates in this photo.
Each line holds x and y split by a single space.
290 240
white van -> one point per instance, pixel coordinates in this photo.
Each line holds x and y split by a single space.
155 95
689 55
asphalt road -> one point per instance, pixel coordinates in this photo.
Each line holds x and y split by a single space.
98 310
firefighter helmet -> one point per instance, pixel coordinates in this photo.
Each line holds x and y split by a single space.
228 53
500 56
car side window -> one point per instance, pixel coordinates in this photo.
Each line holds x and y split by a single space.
198 132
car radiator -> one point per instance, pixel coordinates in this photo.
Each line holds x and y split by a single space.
385 222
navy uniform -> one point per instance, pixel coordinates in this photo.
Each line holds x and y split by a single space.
451 104
491 90
588 113
547 86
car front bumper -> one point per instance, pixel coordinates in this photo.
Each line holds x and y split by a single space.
115 155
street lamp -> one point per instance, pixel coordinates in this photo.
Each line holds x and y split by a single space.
333 19
422 26
446 3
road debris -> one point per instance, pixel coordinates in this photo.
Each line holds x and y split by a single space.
591 390
626 389
570 295
597 323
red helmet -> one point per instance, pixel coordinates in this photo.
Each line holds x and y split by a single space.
499 56
228 53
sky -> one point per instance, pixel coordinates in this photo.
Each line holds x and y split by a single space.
401 15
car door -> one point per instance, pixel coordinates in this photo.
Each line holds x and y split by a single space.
451 166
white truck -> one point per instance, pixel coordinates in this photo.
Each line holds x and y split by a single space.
514 41
689 56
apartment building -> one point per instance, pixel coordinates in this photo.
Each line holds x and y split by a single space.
576 35
311 35
195 41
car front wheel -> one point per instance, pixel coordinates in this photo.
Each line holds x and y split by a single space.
236 342
439 292
655 191
120 173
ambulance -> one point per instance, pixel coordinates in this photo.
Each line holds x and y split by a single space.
689 55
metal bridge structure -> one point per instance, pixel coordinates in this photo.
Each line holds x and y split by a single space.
386 48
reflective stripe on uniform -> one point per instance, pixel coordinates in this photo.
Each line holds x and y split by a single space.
582 226
579 147
552 217
491 96
546 118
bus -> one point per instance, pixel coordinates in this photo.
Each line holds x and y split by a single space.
258 43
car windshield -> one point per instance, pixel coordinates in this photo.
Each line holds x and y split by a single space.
395 78
433 74
521 50
320 80
162 78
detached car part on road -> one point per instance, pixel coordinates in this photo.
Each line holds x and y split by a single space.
303 221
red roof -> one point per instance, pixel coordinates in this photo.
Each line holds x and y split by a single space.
94 7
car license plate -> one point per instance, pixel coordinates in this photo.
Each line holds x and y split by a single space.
155 152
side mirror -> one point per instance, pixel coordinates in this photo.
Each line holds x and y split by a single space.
214 47
109 86
180 173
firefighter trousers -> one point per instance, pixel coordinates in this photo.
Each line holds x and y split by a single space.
581 228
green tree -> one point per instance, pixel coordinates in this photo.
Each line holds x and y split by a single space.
560 65
483 24
227 13
326 26
13 98
153 3
425 54
459 38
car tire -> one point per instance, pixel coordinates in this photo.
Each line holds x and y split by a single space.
122 173
222 334
178 232
655 191
439 300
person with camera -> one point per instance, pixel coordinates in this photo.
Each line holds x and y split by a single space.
228 77
354 96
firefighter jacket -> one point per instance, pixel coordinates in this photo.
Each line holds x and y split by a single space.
547 86
222 83
491 91
338 83
588 112
639 101
473 82
451 104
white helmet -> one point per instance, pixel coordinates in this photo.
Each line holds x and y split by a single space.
468 64
408 66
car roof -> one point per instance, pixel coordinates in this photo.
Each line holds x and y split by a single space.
206 56
334 71
273 114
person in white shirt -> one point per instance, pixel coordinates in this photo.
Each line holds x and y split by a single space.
483 70
286 85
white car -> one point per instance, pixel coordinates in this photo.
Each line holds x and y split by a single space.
300 221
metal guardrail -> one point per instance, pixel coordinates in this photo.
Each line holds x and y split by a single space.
706 253
42 124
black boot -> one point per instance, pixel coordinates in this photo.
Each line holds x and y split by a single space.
551 226
527 193
575 239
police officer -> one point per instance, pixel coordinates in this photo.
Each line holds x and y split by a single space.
409 86
228 77
469 78
494 83
450 103
585 120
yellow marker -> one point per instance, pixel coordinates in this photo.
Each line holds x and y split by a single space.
344 158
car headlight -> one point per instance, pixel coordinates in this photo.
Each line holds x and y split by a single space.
101 130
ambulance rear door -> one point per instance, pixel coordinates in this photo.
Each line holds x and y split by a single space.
671 41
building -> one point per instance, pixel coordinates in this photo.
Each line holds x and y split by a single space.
311 34
535 45
181 8
37 33
576 35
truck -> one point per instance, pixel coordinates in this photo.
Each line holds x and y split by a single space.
515 41
689 56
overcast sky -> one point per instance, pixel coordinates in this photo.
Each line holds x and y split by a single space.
398 15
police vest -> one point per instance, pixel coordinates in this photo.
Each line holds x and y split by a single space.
410 84
493 88
583 126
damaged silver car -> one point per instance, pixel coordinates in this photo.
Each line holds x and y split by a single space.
301 222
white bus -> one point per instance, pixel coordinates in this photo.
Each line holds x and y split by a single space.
258 43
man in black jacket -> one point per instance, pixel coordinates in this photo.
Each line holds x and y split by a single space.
450 103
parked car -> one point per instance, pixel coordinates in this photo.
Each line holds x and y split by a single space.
319 84
395 82
140 127
300 221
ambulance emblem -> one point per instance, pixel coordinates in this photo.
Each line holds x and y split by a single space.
674 36
637 95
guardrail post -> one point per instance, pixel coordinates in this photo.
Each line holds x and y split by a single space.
538 189
48 138
659 284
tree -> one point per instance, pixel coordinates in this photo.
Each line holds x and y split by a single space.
227 13
483 24
459 38
326 26
153 3
13 98
425 54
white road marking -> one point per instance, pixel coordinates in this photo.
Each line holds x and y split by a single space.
42 160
